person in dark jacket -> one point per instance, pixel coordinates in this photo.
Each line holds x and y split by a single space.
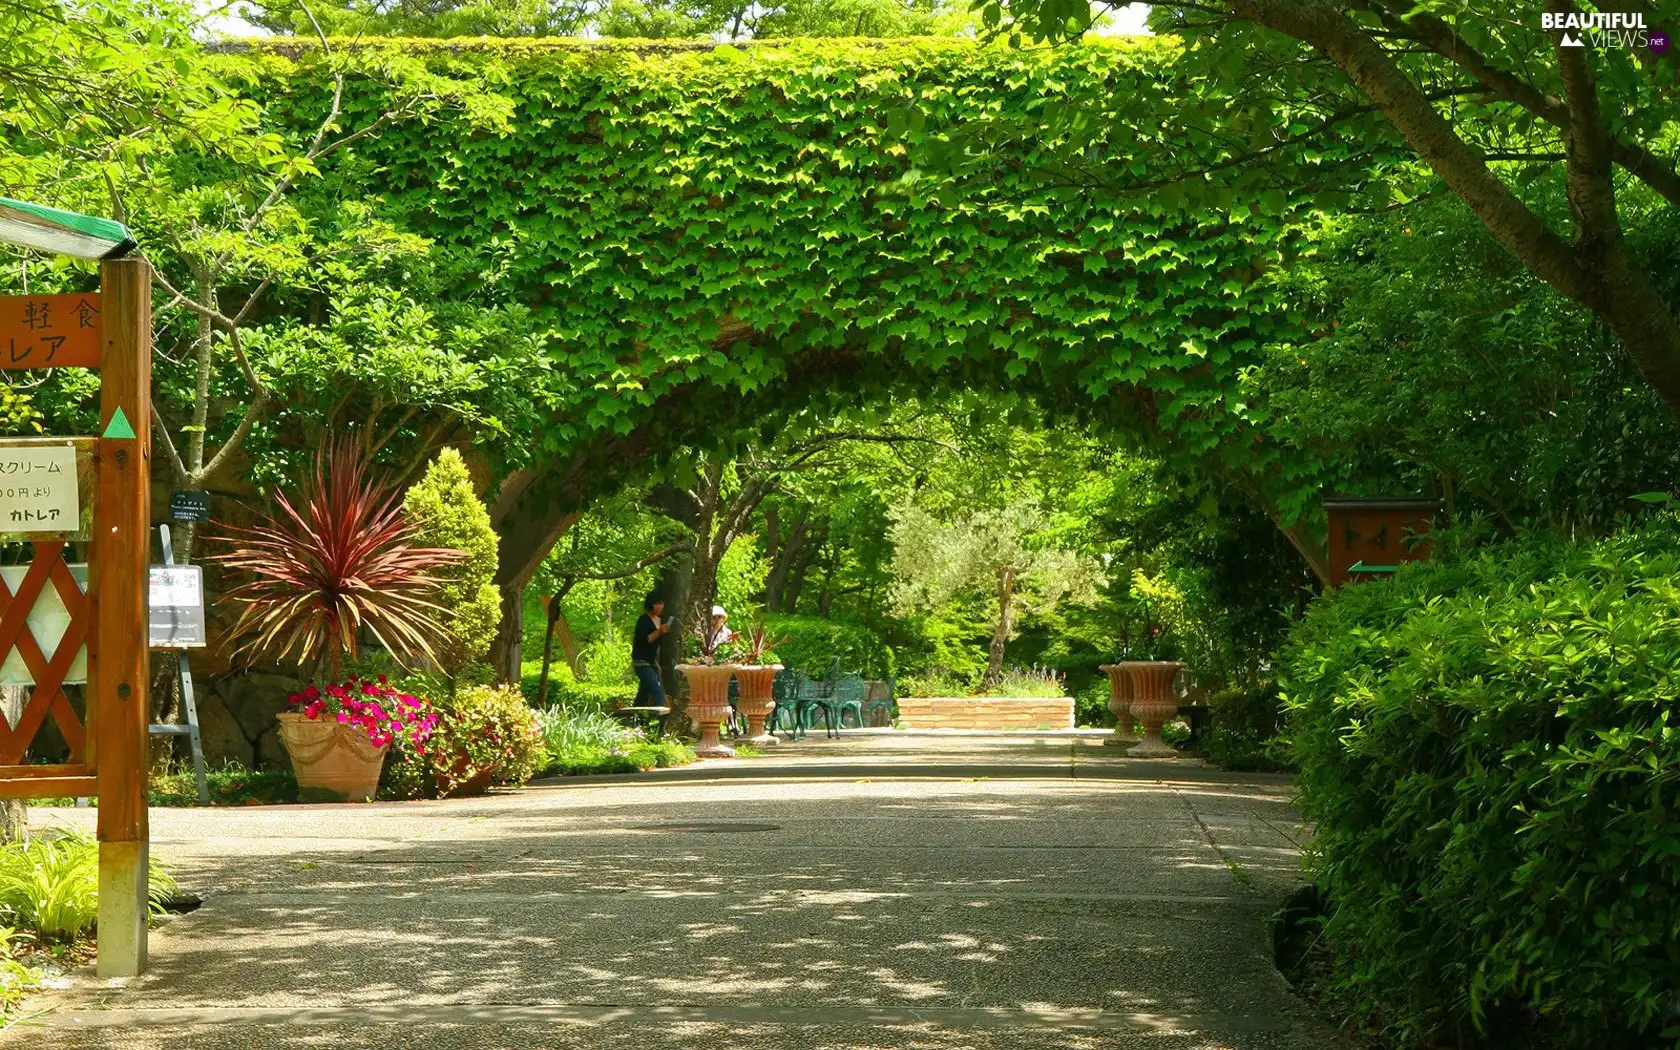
644 651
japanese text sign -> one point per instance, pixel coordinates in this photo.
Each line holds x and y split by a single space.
38 489
49 331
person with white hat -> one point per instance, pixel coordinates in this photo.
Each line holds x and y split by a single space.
719 633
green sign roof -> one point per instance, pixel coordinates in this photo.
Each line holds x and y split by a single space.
62 232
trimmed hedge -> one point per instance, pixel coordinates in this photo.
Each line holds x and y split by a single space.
1488 745
567 692
1247 731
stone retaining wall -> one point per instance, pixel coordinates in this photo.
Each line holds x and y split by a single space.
986 712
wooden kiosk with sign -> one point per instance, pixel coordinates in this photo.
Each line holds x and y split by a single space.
1370 538
104 627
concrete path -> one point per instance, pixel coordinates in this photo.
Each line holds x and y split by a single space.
863 894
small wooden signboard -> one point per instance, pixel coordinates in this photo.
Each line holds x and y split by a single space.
1370 538
49 331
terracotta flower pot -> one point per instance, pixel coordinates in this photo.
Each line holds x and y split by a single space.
1120 703
1152 701
331 758
757 699
465 781
708 704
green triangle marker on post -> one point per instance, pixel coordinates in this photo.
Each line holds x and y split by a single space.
119 427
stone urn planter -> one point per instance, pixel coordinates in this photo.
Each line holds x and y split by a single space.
1152 702
1120 704
708 704
331 760
757 699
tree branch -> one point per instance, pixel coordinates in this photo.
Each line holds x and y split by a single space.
1445 41
680 547
161 426
1431 136
1592 193
253 412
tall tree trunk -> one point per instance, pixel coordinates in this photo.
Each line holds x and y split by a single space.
825 600
506 652
673 587
13 815
783 554
801 564
548 649
702 593
1005 625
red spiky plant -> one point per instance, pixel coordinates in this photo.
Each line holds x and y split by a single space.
312 579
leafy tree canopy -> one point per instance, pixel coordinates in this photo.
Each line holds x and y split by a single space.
716 19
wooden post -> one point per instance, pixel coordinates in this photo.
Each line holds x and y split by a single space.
119 673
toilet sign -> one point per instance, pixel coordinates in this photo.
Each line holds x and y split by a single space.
38 488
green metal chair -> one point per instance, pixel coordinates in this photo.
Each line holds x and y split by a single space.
787 689
849 694
880 707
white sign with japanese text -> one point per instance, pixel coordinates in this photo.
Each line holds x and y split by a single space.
38 489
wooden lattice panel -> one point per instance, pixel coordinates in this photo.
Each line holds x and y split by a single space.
47 699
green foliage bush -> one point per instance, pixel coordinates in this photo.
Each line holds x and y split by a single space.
231 784
583 742
479 727
813 642
49 885
1090 705
447 513
16 979
565 691
1487 744
1247 731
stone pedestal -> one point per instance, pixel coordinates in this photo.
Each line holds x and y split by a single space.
708 704
1152 702
1120 705
757 698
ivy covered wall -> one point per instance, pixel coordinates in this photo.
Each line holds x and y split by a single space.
706 236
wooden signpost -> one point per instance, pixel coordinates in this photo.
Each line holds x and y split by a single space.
1371 538
109 330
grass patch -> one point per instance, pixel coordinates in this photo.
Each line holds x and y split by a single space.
230 785
584 742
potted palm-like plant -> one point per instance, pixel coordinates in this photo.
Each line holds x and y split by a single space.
313 576
708 668
756 675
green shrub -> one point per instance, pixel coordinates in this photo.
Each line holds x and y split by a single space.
231 784
937 682
479 727
1487 745
49 885
566 691
606 661
16 979
1090 705
813 642
581 742
1247 733
446 512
